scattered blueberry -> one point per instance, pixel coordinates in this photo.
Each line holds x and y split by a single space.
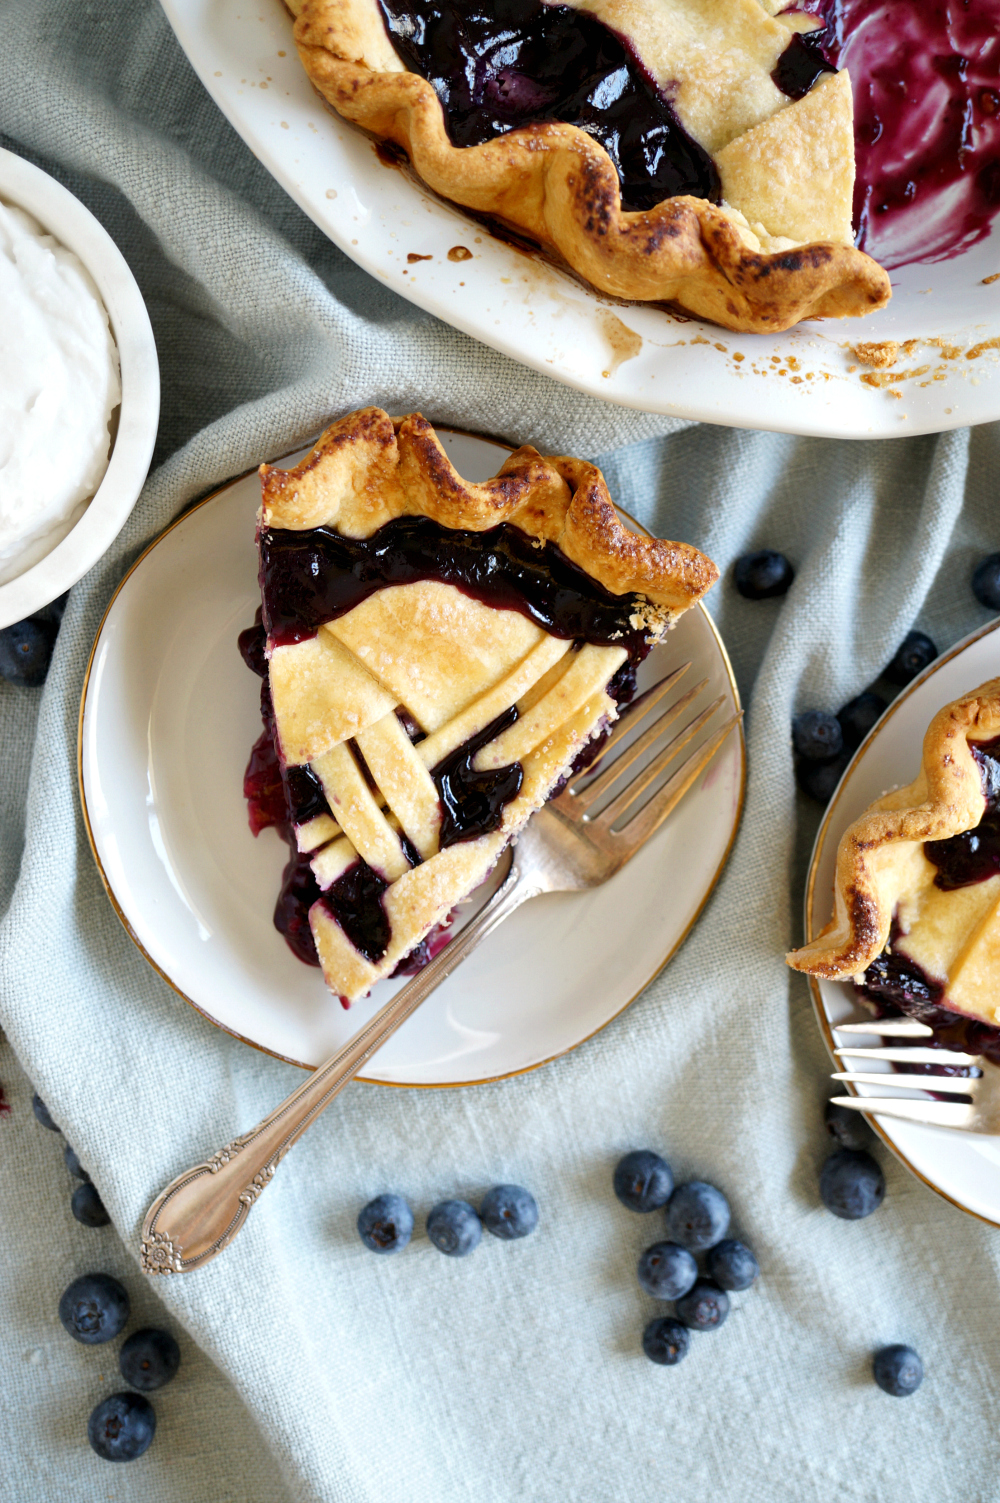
73 1163
643 1181
454 1228
732 1265
848 1129
25 651
698 1215
149 1358
817 736
851 1184
87 1206
898 1370
703 1308
666 1341
913 655
858 716
509 1211
986 582
385 1224
762 575
94 1308
819 779
122 1427
667 1271
41 1112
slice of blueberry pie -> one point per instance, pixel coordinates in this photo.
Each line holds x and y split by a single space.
695 152
436 655
917 903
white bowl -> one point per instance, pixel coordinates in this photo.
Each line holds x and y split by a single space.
65 217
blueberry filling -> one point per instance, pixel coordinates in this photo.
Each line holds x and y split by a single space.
512 63
355 901
472 803
973 856
802 63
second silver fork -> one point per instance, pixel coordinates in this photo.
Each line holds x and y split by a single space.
981 1113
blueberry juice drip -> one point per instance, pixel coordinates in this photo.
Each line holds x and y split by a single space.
499 64
472 803
926 84
973 856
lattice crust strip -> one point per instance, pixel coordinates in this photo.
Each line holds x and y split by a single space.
404 781
357 812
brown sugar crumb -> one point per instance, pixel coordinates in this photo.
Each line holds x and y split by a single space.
738 357
459 253
412 256
885 379
979 349
793 364
698 340
880 355
948 351
908 346
994 278
723 348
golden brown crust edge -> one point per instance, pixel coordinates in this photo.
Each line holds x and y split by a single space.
945 799
556 184
368 468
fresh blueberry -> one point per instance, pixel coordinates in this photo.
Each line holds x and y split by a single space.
73 1163
667 1271
666 1341
817 736
509 1211
385 1224
898 1370
698 1215
848 1129
858 716
122 1427
732 1265
819 779
762 575
454 1228
703 1308
643 1181
41 1112
94 1308
88 1207
851 1184
25 652
149 1358
912 656
986 582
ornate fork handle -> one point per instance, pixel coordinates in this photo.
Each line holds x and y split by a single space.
201 1211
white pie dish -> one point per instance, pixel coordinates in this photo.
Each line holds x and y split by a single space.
963 1167
521 304
65 217
196 891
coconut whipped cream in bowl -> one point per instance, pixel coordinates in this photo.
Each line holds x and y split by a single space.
79 389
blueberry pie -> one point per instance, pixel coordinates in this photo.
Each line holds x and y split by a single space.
436 655
694 152
917 903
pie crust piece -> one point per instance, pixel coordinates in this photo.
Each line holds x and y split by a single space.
777 251
453 664
883 873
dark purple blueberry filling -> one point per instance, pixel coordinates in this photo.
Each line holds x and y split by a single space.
496 66
311 577
355 901
252 644
299 891
472 803
973 856
802 63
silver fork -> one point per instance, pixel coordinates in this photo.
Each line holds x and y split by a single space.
980 1114
567 846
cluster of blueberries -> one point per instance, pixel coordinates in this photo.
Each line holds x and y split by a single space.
26 647
697 1216
94 1309
824 743
385 1224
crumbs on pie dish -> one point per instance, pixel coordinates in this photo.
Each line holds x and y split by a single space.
436 656
695 154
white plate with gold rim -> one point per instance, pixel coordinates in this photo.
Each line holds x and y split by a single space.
963 1167
803 381
168 716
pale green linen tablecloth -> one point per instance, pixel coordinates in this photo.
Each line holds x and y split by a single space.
313 1370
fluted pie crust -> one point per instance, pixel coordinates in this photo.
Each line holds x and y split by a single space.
452 663
778 250
884 876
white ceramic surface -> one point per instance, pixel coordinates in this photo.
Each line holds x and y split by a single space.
964 1167
799 382
65 217
169 715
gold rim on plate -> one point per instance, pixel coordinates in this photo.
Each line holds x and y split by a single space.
287 1059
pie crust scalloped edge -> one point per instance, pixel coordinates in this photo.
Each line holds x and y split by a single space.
556 184
945 799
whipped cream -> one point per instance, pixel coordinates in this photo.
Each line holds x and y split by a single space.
59 387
